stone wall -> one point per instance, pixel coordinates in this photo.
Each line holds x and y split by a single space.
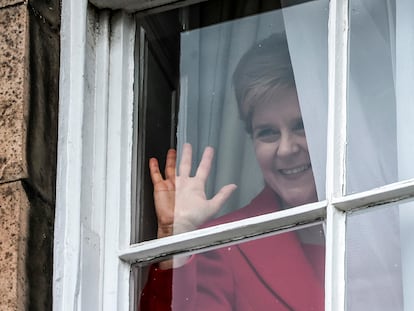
29 75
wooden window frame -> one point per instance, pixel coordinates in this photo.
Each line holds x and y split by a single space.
92 250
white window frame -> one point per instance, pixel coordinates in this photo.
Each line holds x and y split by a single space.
94 163
92 251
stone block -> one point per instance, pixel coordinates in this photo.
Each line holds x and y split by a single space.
13 92
5 3
14 207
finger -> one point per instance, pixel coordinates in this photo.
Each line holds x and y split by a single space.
185 164
170 164
218 200
155 173
203 169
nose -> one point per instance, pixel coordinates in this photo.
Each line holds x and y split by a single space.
288 145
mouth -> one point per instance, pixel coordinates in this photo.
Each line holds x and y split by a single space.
295 170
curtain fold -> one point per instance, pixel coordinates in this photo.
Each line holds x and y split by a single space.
307 34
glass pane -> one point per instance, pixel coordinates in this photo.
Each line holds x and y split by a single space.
380 144
279 272
253 87
380 258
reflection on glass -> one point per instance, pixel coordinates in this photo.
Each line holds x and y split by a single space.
380 144
279 272
379 260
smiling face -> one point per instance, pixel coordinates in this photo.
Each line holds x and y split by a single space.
281 148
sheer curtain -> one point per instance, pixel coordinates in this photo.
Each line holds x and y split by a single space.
381 114
373 241
208 109
405 138
307 32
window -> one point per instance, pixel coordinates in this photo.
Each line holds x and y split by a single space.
109 60
193 84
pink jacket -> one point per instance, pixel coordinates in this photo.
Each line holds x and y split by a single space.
273 273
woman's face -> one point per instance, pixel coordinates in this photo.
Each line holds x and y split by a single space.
281 147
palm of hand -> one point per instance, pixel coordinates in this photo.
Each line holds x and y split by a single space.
180 201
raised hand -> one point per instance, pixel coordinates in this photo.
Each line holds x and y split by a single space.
180 200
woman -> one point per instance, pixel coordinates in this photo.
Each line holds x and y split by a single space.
282 272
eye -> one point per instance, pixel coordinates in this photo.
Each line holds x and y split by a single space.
266 134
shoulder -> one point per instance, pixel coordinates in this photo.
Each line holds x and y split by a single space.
265 202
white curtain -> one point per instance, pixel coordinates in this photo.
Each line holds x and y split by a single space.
208 109
380 151
307 33
405 138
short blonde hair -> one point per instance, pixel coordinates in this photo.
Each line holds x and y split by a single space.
264 66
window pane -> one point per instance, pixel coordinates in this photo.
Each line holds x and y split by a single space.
279 272
252 82
379 258
380 144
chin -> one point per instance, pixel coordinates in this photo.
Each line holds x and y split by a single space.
300 199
